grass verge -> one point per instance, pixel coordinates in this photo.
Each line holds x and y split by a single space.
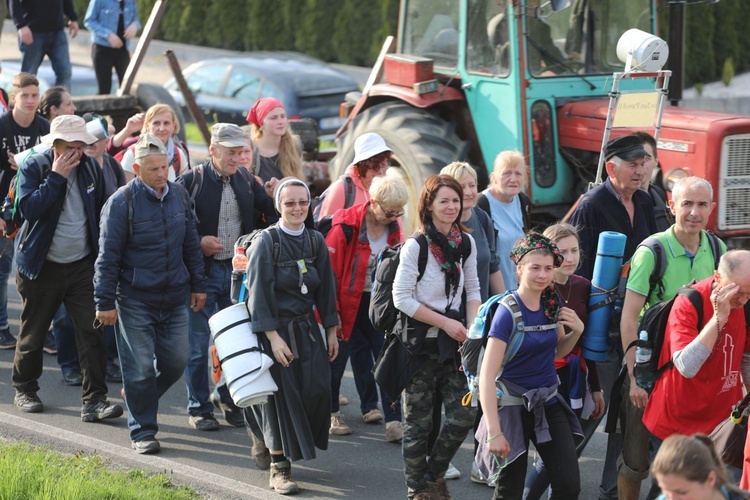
32 472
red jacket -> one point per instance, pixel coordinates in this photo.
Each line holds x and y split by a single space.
349 258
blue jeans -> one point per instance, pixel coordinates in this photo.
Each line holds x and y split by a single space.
196 373
144 333
53 44
6 265
363 348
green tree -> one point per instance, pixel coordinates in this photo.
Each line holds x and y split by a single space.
349 42
700 60
315 31
227 25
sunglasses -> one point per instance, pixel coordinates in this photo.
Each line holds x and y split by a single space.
292 204
391 215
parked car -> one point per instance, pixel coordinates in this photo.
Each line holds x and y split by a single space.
82 82
226 88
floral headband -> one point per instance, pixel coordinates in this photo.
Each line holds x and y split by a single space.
535 241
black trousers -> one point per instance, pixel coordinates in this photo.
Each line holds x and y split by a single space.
73 285
559 456
106 58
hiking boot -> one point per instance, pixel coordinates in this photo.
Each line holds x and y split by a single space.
343 400
73 377
452 472
438 489
338 427
7 340
205 422
394 432
50 346
232 413
261 455
373 416
281 478
93 412
28 402
113 374
147 446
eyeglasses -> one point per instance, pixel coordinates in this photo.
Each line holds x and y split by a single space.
391 215
381 167
292 204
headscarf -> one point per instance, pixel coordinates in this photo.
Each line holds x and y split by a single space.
535 241
447 253
280 185
260 110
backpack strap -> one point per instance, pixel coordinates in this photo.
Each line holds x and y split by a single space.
484 203
716 249
423 249
349 193
525 210
660 266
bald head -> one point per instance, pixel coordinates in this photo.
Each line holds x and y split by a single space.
734 267
692 183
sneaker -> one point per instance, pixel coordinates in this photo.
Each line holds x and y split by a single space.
343 400
147 446
452 472
394 432
28 402
113 374
232 413
438 489
50 346
73 377
281 478
338 426
205 422
373 416
261 455
7 340
476 475
93 412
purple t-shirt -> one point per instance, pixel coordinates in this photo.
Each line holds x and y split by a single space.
533 366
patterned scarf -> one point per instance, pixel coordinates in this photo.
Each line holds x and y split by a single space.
447 253
535 241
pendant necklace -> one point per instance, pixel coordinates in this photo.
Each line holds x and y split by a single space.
559 291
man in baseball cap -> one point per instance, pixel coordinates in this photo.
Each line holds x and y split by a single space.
143 274
229 203
60 194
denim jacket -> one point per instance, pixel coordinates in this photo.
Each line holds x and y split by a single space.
41 195
102 16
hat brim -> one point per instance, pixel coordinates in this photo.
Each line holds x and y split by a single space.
83 137
366 155
629 154
232 144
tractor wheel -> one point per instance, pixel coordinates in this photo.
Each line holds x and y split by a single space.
422 144
148 94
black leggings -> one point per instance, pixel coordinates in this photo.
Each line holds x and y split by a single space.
106 58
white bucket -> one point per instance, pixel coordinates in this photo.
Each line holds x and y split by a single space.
245 368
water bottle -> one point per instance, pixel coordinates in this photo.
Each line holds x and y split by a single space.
642 353
239 261
237 285
10 226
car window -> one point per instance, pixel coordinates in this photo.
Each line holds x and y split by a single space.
206 79
243 85
269 90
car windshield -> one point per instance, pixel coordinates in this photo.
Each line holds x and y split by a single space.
431 30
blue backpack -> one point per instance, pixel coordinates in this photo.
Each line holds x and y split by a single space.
472 351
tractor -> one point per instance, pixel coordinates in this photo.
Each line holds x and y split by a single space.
467 79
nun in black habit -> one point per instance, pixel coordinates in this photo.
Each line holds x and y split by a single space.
281 303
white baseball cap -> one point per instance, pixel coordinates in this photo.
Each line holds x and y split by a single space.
368 145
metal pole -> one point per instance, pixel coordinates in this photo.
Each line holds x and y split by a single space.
143 42
192 106
676 50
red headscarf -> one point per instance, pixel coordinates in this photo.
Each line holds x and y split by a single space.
261 108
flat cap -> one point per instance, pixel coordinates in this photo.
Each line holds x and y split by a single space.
627 148
148 145
228 135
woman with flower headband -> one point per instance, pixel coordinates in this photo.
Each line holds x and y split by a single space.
525 392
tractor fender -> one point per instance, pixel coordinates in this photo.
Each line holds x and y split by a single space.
406 94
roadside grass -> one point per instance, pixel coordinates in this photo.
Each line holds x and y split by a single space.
31 472
192 133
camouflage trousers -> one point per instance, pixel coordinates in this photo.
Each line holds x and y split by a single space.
432 379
